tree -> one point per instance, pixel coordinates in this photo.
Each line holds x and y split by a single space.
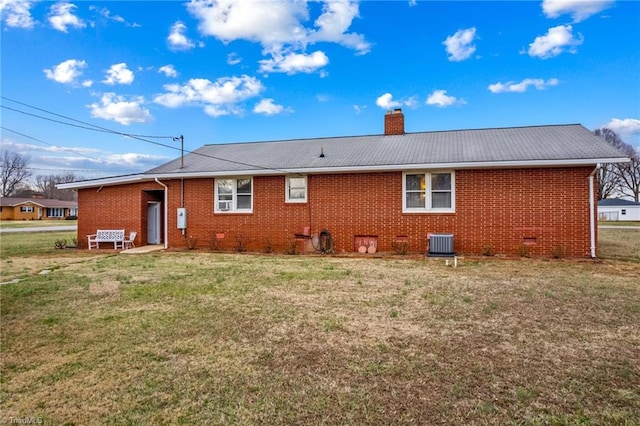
623 178
13 172
629 174
46 185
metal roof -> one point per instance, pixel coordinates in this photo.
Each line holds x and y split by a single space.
534 146
520 144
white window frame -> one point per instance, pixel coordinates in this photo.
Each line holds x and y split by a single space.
427 192
233 203
55 212
288 187
27 209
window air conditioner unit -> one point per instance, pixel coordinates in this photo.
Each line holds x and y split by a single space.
224 205
440 245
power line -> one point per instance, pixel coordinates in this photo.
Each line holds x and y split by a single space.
47 143
94 126
141 138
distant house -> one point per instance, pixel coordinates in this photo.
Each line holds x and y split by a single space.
618 209
501 190
16 208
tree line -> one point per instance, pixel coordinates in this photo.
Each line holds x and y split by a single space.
16 180
614 180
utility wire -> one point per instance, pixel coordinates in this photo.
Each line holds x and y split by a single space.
64 149
47 143
138 137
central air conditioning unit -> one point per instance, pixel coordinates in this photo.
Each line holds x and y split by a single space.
440 245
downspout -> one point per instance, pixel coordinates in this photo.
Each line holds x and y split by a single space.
592 218
166 215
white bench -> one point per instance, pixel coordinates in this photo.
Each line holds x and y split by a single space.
115 236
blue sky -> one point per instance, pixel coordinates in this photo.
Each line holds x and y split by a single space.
243 71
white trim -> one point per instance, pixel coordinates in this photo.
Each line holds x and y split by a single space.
287 187
428 191
342 169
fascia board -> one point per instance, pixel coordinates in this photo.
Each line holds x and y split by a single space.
344 169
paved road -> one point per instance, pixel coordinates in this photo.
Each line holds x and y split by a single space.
617 227
40 229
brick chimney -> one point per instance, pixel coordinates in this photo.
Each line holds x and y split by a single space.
394 122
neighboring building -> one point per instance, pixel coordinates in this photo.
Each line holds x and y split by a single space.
496 190
618 209
16 208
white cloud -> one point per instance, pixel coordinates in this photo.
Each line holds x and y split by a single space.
386 101
511 87
17 13
441 99
267 107
359 108
279 25
460 45
61 17
578 9
233 59
66 72
106 13
625 127
336 18
116 108
557 40
168 70
218 98
177 40
293 63
119 74
260 21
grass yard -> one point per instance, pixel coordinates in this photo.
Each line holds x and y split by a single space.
35 223
221 338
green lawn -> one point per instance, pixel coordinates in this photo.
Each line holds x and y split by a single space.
35 223
224 338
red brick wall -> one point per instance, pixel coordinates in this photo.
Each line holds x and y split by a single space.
532 210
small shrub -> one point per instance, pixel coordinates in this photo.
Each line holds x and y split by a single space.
71 218
488 250
292 247
60 244
268 246
400 246
214 241
523 250
241 241
557 252
191 242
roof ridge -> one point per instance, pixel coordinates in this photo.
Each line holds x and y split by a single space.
382 134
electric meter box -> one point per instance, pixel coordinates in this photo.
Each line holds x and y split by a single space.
182 218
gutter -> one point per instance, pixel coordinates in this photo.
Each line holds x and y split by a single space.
166 213
342 169
592 219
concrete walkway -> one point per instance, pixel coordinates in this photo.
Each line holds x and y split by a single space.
143 249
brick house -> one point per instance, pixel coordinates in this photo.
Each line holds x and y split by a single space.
18 208
495 190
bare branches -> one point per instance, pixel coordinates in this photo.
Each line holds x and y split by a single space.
13 172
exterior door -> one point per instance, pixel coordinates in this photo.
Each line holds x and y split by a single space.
153 222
